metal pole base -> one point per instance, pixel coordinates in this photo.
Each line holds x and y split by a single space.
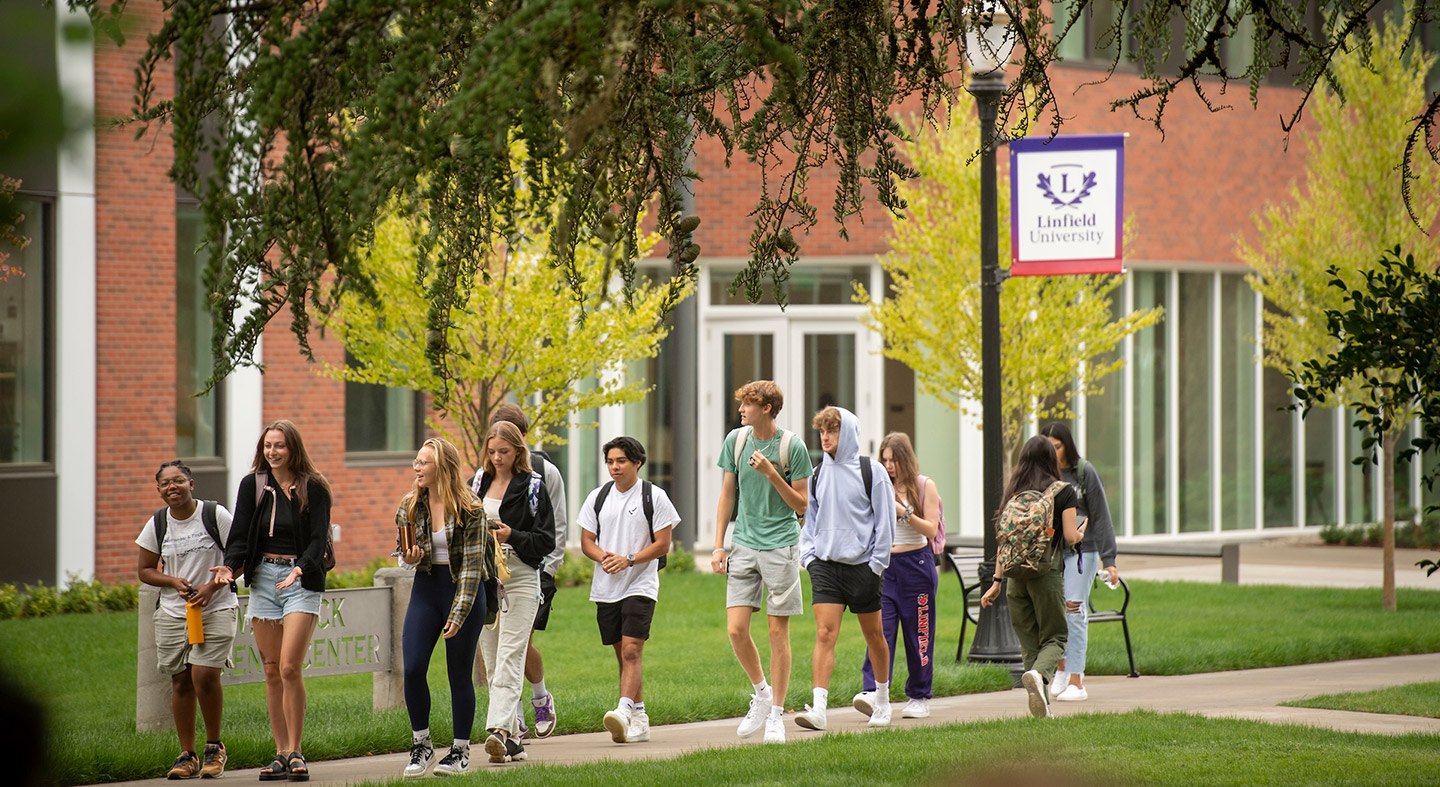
995 641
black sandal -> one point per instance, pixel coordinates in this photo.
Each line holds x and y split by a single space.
276 770
298 773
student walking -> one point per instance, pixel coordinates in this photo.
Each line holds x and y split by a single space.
542 702
518 508
625 527
1037 517
1095 553
765 470
845 545
195 621
282 522
907 596
451 549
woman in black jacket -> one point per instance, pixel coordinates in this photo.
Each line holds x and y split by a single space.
277 541
518 508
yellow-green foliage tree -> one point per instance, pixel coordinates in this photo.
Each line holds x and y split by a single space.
1052 327
521 333
1349 211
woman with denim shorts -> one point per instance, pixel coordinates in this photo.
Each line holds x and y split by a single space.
282 519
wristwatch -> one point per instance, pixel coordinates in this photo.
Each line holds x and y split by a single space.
631 558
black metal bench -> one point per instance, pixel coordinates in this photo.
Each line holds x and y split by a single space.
966 563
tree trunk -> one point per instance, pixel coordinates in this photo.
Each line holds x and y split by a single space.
1387 474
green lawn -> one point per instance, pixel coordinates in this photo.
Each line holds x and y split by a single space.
1101 750
83 666
1415 699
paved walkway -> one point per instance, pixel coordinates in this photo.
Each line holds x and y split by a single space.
1303 561
1248 694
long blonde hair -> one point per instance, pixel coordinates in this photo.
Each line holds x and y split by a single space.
301 467
510 433
907 467
450 485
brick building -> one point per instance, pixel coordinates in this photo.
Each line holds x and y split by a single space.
105 337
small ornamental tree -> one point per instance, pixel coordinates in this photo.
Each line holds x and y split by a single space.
523 333
1350 206
1388 361
1053 327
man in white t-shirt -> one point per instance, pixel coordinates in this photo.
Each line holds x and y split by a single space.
625 528
178 563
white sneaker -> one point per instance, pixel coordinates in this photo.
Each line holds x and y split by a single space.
811 718
755 717
864 702
1073 694
639 729
544 715
422 754
774 729
916 709
881 716
618 723
1057 684
1035 686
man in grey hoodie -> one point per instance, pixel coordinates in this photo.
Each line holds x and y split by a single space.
845 545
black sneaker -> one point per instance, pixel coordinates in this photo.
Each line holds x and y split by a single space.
513 750
422 753
456 762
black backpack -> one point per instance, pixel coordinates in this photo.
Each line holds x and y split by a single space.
867 475
208 518
646 502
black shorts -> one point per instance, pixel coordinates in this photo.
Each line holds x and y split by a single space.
547 594
856 587
629 617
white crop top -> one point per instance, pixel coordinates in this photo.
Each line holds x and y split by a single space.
439 547
907 536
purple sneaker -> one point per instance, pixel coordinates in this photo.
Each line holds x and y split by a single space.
544 715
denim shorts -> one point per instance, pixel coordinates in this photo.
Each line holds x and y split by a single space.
267 603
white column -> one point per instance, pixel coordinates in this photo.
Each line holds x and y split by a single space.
1217 415
971 444
75 323
1259 394
1172 404
1342 465
1127 416
244 418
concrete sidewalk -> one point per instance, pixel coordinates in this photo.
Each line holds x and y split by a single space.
1249 694
1301 561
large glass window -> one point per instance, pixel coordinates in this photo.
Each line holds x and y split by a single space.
380 419
24 341
1152 449
829 381
1359 479
197 418
1237 403
1278 443
1320 470
650 420
1105 424
808 285
1195 375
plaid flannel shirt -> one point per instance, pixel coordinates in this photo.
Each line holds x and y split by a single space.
470 540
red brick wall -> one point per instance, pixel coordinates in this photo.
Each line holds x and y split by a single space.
135 304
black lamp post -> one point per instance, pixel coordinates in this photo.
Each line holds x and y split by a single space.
987 48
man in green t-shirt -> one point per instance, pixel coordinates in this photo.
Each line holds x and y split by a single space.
769 477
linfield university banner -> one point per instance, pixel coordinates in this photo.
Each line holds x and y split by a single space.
1067 205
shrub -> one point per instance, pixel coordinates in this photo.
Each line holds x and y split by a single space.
1354 535
80 596
10 602
680 561
576 570
41 601
120 597
360 577
1332 534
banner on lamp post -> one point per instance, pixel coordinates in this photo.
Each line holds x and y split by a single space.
1067 205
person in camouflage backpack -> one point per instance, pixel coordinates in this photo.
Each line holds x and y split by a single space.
1036 502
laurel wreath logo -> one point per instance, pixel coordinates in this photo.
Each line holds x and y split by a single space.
1085 187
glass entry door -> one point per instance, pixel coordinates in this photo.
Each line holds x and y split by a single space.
815 362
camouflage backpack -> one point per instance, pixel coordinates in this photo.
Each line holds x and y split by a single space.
1025 533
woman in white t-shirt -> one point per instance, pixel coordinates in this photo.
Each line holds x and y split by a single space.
179 564
907 595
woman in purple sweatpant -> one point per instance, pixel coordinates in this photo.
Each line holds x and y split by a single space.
907 601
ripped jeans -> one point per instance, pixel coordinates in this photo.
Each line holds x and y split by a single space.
1080 573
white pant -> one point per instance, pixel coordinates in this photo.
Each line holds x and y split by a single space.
504 646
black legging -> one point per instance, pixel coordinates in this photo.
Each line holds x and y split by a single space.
430 601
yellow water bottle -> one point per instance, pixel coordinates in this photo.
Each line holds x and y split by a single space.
194 627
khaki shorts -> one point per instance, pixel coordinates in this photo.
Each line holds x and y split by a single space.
774 573
175 652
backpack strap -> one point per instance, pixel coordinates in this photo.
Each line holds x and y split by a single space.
1080 478
600 502
785 437
920 482
740 440
210 520
162 523
262 480
647 502
867 477
536 481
